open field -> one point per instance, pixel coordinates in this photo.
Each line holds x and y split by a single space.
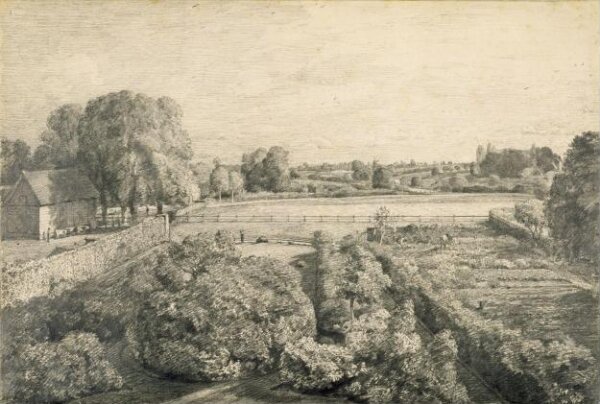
412 205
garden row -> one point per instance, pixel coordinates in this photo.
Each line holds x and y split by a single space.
522 369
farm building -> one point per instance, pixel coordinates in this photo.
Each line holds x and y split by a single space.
47 201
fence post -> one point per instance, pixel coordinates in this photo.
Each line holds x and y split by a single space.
453 219
218 215
304 218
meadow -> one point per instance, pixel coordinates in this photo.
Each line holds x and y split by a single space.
427 206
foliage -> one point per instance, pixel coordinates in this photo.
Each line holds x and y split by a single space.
196 253
61 371
236 183
311 367
523 370
382 177
59 143
382 218
266 170
219 180
360 171
15 156
531 214
230 321
361 280
416 181
573 206
134 149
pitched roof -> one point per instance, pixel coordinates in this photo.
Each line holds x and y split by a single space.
64 185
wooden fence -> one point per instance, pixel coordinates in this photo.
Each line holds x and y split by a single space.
217 218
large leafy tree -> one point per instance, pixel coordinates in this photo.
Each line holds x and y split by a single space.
276 168
60 141
15 157
266 170
573 205
134 149
219 180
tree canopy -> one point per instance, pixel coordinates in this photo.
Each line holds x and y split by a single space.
15 157
132 147
573 205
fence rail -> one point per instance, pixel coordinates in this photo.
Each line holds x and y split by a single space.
326 218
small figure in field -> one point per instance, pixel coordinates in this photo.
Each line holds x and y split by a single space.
242 236
447 239
147 210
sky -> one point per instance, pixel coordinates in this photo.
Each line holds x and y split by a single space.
329 81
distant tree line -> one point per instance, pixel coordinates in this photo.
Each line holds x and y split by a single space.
512 162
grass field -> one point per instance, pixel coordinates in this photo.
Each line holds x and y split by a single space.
425 205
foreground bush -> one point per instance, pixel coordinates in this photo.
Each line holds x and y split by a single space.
57 372
228 321
382 360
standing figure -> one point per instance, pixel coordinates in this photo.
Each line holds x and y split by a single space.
242 236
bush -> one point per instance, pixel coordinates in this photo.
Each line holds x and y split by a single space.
231 321
416 181
57 372
311 367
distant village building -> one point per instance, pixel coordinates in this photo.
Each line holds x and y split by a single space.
43 202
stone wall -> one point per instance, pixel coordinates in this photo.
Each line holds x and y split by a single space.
38 278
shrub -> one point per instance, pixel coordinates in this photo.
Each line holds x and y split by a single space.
232 320
416 181
311 367
531 215
57 372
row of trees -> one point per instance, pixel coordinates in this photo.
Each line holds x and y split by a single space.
133 148
512 162
226 180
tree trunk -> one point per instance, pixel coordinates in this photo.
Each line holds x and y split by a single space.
104 206
232 196
131 202
219 195
381 236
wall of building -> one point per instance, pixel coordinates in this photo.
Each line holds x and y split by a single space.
20 213
67 215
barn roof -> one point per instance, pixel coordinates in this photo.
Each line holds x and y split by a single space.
64 185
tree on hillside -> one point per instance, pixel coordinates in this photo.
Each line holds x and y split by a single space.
573 206
59 143
253 169
360 171
546 160
382 177
531 215
219 180
416 181
15 156
276 168
266 170
236 183
133 145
